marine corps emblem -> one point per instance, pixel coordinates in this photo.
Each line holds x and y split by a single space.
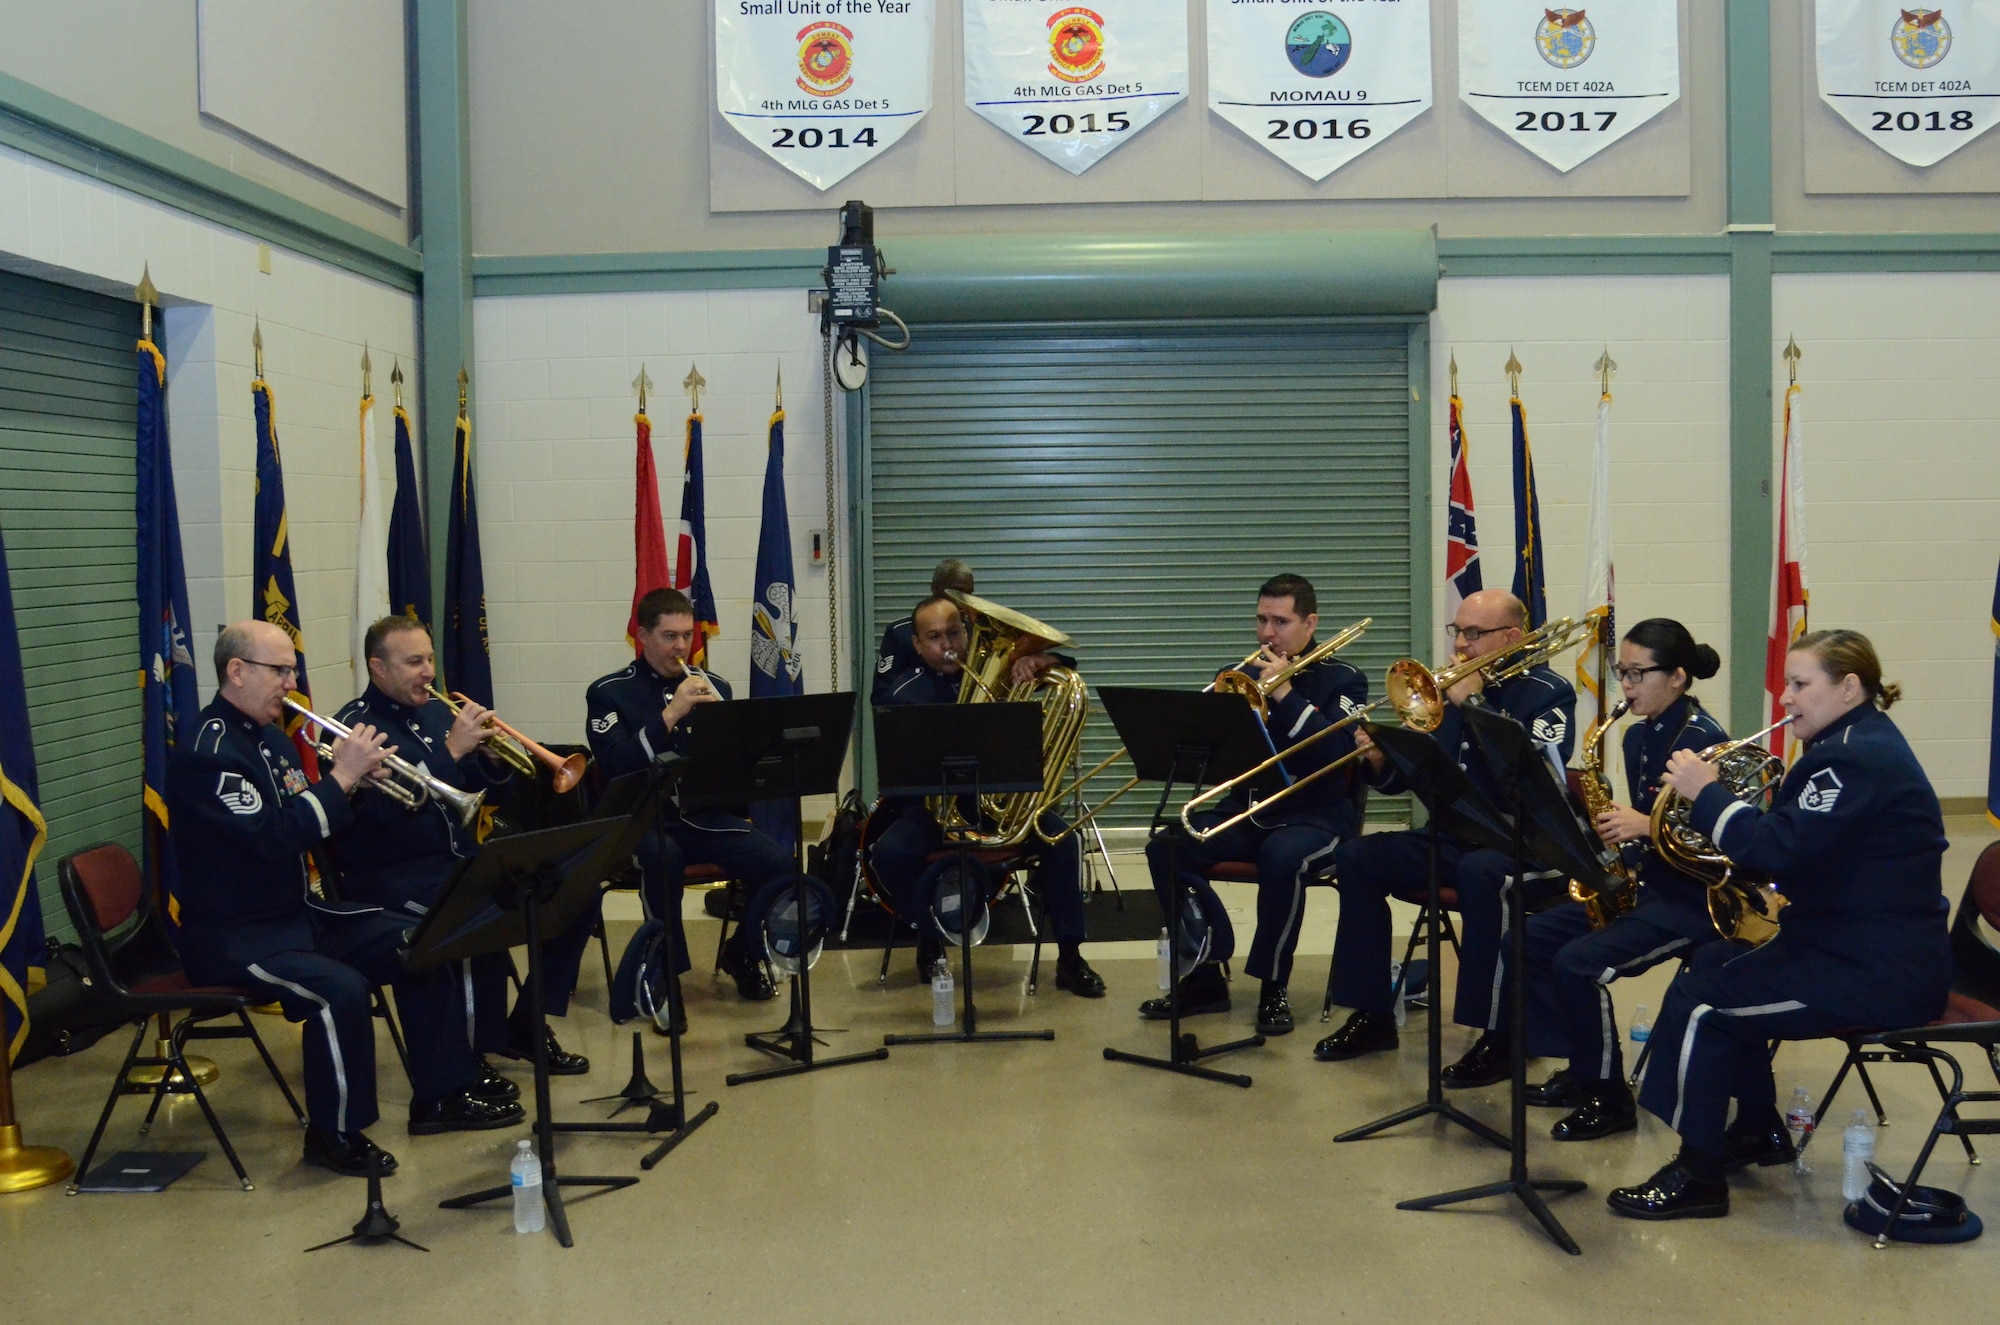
1920 37
1076 44
1565 37
826 59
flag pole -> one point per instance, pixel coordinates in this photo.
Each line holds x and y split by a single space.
24 1168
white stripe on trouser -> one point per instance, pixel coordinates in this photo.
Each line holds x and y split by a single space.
1506 928
1607 1022
471 1006
1687 1052
1299 879
332 1039
1643 961
1762 1009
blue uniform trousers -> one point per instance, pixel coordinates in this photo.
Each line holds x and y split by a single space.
1287 857
1711 1043
732 844
1571 967
322 973
899 854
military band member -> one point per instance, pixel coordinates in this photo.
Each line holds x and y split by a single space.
1569 967
899 854
898 653
400 858
1292 841
1368 869
641 712
1855 841
243 815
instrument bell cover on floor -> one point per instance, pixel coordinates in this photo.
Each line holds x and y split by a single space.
781 932
1932 1214
949 894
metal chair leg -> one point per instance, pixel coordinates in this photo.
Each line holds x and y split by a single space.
271 1066
118 1088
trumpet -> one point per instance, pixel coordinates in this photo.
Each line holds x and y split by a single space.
519 752
1233 681
1417 693
407 784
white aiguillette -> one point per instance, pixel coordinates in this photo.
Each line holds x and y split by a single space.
1918 83
1567 83
823 87
1318 82
1074 82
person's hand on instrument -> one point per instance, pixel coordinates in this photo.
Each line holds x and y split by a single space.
468 729
1371 754
1688 773
1029 666
693 689
1621 824
1270 662
359 756
1465 689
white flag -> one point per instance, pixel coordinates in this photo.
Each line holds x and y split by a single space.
1599 583
1918 83
371 548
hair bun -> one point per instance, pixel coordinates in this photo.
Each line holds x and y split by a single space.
1889 694
1707 662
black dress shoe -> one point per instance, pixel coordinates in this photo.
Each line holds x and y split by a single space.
753 982
1561 1091
348 1153
1074 974
561 1062
1203 990
490 1085
1763 1146
461 1113
1362 1033
1490 1059
1274 1011
1606 1111
1672 1193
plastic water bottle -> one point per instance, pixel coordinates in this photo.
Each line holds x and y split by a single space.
943 1011
1642 1024
1857 1150
1166 966
1402 1005
529 1212
1799 1122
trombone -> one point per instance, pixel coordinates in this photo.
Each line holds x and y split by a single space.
1417 693
519 752
407 784
1233 681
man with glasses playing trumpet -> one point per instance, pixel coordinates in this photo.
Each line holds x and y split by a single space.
400 856
1491 623
243 816
1292 841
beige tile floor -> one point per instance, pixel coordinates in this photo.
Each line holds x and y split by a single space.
995 1182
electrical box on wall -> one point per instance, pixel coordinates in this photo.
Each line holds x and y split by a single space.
816 544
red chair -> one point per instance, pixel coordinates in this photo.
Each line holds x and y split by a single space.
104 891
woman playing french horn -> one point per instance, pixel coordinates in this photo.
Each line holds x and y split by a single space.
1855 840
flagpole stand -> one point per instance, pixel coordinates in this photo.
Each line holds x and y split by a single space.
24 1168
205 1070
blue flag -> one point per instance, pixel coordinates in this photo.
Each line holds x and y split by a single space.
691 547
167 673
1528 570
274 597
22 833
775 668
1993 743
409 554
468 661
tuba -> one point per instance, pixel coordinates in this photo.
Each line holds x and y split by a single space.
999 635
1742 907
1603 906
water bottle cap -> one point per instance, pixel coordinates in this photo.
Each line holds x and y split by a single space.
1860 1116
524 1146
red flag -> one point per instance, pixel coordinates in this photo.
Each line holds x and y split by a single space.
649 531
1461 544
1788 593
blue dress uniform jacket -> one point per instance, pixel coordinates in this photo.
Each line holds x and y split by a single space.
896 656
1647 745
624 722
1539 699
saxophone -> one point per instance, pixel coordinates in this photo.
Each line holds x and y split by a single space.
1603 905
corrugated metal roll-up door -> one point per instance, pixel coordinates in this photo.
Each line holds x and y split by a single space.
1134 485
68 412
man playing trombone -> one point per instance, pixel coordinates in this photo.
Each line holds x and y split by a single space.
242 816
1290 842
1490 624
399 857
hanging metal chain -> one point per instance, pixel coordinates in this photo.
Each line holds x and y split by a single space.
832 513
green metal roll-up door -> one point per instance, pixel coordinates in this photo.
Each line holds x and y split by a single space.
68 412
1133 485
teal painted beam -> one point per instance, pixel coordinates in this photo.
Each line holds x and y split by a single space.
861 577
618 273
1067 278
444 197
52 129
1585 255
1747 43
1422 517
1854 254
1747 55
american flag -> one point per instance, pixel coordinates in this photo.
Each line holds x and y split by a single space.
1461 539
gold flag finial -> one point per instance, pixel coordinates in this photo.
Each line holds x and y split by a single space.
396 381
463 382
781 386
1792 356
367 372
149 296
257 343
643 383
692 384
1454 372
1606 367
1513 371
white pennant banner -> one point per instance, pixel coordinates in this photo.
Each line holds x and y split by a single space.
1567 83
1075 82
1918 83
1319 82
823 87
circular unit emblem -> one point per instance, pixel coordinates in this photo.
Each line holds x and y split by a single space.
1920 38
1076 44
1318 44
826 59
1565 37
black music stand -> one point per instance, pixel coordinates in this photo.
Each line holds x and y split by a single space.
1181 737
1540 812
1456 807
376 1223
779 748
964 751
503 897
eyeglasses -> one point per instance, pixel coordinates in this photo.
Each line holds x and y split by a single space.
1634 675
1471 634
286 670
